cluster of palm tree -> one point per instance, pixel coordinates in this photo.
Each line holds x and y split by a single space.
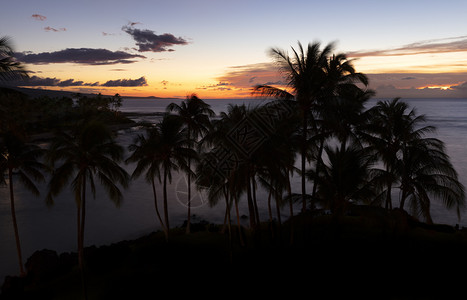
345 152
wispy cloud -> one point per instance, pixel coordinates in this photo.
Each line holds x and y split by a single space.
39 17
444 45
48 28
149 41
85 56
247 76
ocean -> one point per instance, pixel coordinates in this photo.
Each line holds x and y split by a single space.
42 227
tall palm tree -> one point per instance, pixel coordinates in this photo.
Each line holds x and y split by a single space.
145 152
10 68
174 153
87 153
314 75
195 114
20 160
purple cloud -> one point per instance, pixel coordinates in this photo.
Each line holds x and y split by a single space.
85 56
147 40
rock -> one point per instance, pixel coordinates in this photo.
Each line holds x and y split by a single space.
42 266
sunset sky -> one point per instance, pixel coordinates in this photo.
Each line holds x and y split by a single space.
219 49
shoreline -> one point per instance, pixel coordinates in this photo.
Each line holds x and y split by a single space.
368 240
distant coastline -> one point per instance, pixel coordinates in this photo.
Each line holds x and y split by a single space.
51 93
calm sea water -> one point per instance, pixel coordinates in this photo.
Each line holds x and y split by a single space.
54 228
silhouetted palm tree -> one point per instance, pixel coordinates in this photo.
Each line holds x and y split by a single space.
145 152
426 172
87 153
345 177
391 126
418 163
315 76
20 160
195 115
174 153
10 68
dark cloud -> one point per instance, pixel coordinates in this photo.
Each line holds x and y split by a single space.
408 78
85 56
34 81
39 17
147 40
126 82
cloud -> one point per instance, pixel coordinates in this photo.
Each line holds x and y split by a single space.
147 40
48 28
86 56
39 17
35 81
247 76
444 45
126 82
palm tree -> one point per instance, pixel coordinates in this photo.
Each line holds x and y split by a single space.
314 75
391 126
21 160
173 153
418 163
10 68
145 152
195 114
87 153
425 170
345 178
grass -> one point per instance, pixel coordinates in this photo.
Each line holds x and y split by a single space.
378 255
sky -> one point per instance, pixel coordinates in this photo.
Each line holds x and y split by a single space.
220 49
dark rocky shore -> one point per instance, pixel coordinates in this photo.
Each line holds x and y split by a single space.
371 254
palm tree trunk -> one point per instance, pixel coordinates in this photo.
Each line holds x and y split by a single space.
255 203
157 207
289 191
251 208
303 150
189 198
242 243
166 210
15 224
81 239
317 168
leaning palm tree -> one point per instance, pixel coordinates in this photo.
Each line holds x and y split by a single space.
89 152
195 114
10 68
21 160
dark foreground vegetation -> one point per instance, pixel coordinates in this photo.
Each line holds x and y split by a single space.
371 253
